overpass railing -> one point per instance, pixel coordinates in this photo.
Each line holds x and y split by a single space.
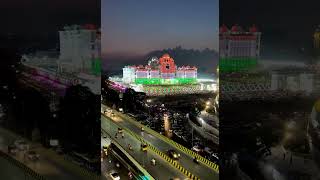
161 154
187 151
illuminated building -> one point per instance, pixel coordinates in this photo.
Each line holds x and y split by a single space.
160 72
80 49
239 49
77 62
162 77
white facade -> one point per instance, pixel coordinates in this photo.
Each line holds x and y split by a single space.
230 46
167 75
191 74
180 74
78 47
128 74
154 73
142 73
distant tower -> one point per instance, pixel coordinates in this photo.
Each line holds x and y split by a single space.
167 67
79 47
239 50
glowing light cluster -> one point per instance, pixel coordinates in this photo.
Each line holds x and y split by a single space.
160 72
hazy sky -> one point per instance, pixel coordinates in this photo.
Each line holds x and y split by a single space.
139 26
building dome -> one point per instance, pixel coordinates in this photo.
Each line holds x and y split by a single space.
235 28
166 55
223 29
89 26
253 29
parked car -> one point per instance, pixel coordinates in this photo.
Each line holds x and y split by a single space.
32 155
144 147
114 175
21 144
173 154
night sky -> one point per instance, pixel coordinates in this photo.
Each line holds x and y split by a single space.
287 26
137 27
38 19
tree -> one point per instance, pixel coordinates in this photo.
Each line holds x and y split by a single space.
31 111
80 116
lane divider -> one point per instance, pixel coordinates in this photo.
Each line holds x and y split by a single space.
161 154
205 161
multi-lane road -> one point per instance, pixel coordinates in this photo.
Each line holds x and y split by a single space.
110 123
50 165
162 169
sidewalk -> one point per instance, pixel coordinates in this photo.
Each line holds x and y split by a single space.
51 165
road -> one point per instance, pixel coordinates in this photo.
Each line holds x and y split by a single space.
202 171
162 170
51 165
108 164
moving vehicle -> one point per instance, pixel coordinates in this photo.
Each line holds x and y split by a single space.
195 160
32 155
173 154
144 147
120 130
114 175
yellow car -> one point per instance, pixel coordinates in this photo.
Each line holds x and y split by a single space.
144 147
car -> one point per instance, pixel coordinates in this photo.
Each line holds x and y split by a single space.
197 149
120 130
215 155
12 149
173 154
144 147
21 144
114 175
32 155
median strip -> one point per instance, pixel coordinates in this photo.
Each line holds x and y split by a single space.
205 161
161 154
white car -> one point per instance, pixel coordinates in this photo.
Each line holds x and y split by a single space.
114 175
21 144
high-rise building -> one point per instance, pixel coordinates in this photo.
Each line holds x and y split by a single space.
239 49
79 49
